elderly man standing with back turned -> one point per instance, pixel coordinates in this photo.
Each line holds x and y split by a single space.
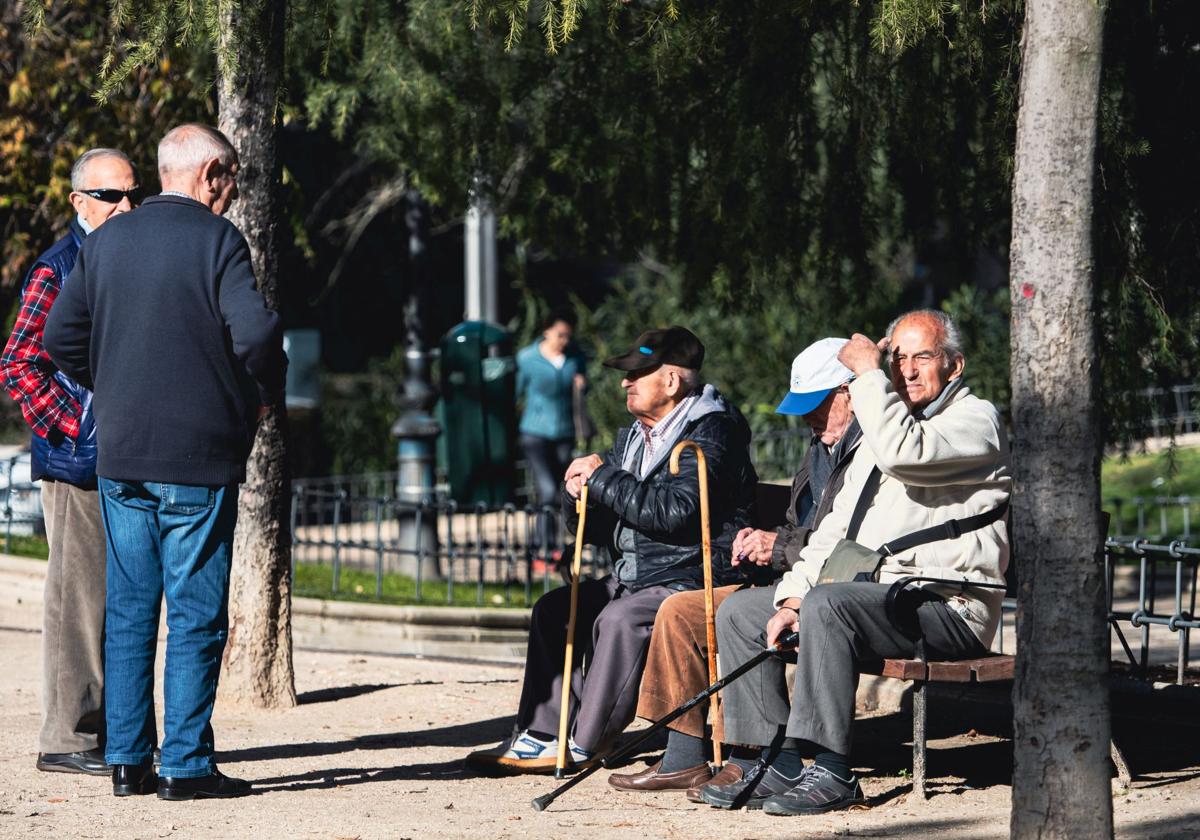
63 455
934 468
649 522
161 317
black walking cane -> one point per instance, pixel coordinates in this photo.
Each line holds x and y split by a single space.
788 641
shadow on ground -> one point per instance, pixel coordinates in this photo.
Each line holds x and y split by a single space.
344 692
339 777
458 735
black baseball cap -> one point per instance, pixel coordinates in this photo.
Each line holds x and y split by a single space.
672 346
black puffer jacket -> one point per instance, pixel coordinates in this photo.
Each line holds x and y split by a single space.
664 510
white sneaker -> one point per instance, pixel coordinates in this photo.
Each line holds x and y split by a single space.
524 753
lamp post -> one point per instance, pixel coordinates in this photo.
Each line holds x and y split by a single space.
417 429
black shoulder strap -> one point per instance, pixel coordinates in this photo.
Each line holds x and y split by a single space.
865 498
945 531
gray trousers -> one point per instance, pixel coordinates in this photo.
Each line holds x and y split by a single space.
612 634
842 625
73 621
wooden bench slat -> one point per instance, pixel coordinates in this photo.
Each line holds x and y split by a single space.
904 669
959 672
984 669
994 668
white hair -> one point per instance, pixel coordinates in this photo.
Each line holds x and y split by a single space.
79 169
187 147
689 378
951 338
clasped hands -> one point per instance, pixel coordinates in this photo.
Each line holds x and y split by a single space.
579 471
753 546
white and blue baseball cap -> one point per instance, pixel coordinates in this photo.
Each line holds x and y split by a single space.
815 372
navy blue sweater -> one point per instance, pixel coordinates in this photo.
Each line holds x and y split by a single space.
162 319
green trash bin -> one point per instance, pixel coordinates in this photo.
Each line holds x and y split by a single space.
478 378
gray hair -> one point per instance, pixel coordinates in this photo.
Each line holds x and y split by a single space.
187 147
951 338
79 169
689 378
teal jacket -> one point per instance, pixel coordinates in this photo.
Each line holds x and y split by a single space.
547 392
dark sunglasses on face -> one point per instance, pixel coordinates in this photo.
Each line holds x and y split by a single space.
114 196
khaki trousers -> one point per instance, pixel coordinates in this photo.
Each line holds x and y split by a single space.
677 666
73 621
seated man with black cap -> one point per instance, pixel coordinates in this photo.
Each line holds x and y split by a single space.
648 522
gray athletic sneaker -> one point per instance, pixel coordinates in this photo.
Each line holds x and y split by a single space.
759 784
819 791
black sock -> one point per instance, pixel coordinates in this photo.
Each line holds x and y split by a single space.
683 751
788 762
542 736
744 757
835 763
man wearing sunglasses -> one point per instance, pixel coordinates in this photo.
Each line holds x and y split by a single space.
63 456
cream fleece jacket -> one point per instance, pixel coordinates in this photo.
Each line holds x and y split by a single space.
948 466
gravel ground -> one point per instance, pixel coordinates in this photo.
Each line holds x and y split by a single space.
375 750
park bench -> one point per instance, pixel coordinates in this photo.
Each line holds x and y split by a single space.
772 503
994 668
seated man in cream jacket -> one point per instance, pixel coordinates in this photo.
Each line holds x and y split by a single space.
931 452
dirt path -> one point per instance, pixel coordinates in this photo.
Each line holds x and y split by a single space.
375 751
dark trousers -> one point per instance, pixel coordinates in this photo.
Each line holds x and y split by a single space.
72 621
842 625
612 632
548 461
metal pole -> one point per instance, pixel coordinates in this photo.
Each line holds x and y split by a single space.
479 255
417 429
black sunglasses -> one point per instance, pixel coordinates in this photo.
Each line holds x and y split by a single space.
114 196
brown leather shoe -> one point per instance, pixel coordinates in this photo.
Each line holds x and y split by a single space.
651 779
728 775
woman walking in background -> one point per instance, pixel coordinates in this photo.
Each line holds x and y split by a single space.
549 373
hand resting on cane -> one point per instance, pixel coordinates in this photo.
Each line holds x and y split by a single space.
786 620
579 471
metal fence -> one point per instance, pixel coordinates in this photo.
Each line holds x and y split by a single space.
21 500
1153 517
1166 578
1173 411
435 551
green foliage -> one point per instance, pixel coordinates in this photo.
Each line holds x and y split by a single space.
357 413
316 581
983 321
22 545
50 118
1171 472
144 30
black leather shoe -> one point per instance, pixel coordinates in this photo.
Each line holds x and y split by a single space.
91 762
133 779
213 786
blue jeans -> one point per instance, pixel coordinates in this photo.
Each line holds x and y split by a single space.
175 539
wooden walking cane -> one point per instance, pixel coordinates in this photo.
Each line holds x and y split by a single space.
710 624
560 765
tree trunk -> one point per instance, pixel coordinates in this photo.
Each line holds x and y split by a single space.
1060 700
258 655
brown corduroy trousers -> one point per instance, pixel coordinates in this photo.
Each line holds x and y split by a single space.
677 666
73 621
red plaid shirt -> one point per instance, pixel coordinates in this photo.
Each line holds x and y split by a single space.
26 369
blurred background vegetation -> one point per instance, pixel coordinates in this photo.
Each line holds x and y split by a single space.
764 172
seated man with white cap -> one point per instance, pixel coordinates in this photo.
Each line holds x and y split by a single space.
677 668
